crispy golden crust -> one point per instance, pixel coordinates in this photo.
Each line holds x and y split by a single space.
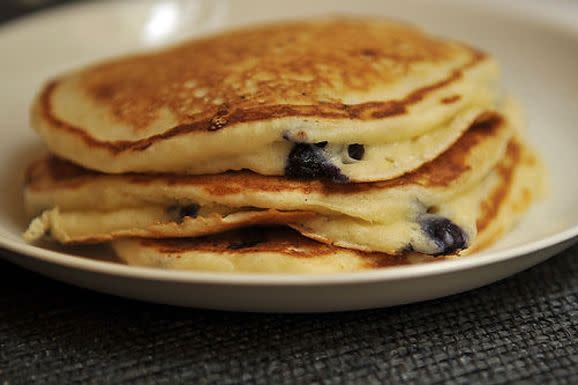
490 206
298 69
279 240
452 164
506 203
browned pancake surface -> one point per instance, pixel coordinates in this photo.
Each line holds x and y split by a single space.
279 240
267 72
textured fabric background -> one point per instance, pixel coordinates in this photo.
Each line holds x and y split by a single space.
521 330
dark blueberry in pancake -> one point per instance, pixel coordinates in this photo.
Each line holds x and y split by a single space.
308 161
356 151
446 235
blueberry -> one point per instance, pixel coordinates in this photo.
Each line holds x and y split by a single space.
356 151
446 235
180 212
307 161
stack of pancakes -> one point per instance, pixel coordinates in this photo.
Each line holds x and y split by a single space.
323 145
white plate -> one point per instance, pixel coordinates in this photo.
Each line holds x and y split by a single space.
537 46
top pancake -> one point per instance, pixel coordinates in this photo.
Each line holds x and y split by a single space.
233 95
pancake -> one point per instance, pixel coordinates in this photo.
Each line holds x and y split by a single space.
75 205
253 250
341 99
277 250
467 222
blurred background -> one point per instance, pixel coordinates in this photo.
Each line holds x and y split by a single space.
566 9
14 8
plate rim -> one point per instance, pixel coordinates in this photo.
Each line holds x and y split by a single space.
283 279
570 234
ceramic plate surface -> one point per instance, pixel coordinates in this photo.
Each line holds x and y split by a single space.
536 44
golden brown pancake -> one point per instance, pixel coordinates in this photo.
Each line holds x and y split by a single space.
431 210
255 250
269 125
510 190
364 99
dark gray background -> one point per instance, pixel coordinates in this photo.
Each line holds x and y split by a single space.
521 330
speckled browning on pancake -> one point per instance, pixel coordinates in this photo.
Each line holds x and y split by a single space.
257 67
298 69
224 116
